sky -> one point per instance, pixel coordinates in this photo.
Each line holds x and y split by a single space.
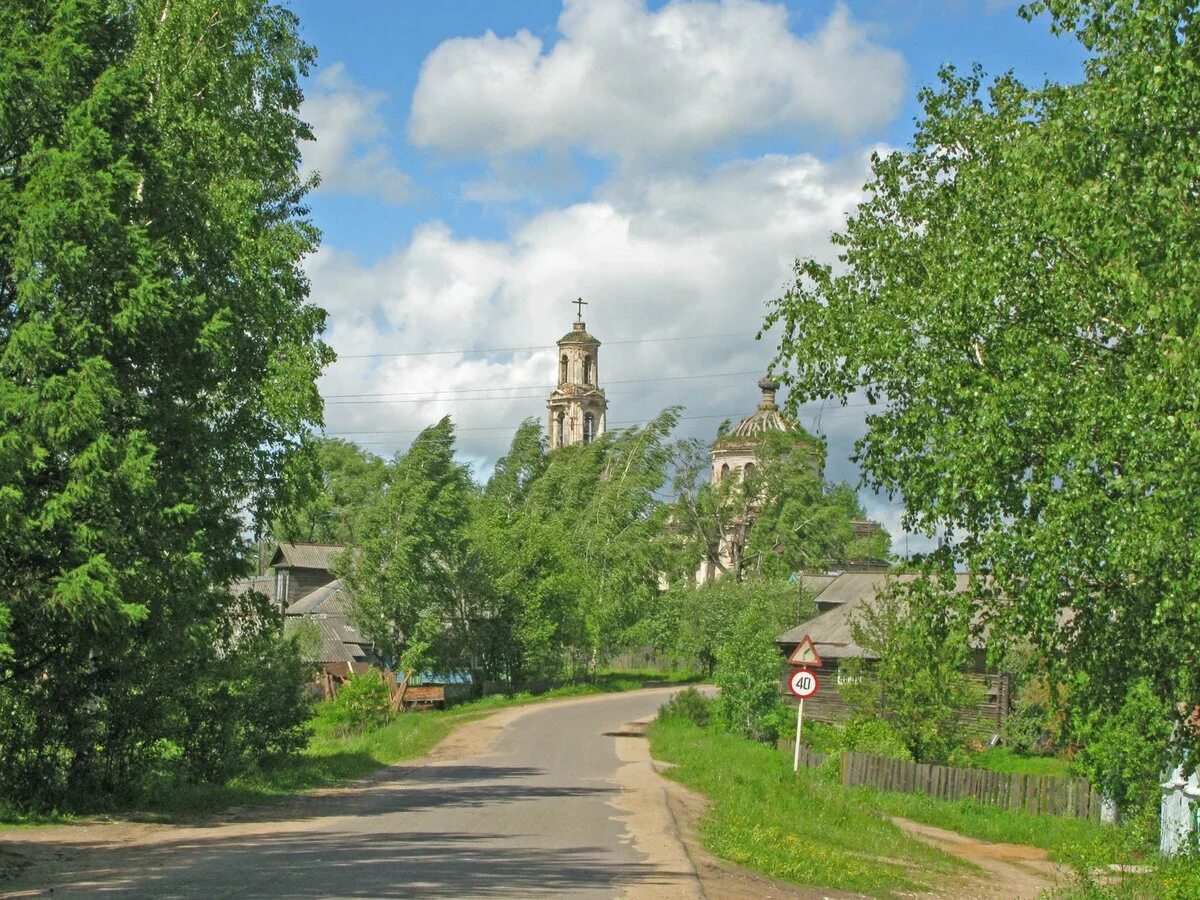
483 164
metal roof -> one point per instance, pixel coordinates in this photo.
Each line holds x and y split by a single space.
328 598
831 631
306 556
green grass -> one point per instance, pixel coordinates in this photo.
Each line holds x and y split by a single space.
800 828
1062 838
1007 760
328 759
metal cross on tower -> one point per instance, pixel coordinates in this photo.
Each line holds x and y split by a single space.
580 303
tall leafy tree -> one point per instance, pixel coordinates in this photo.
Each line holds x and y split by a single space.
1017 294
776 518
411 579
157 359
345 481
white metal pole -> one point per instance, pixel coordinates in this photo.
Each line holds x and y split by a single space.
799 729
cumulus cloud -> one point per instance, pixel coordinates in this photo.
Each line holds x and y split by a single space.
350 150
657 258
634 84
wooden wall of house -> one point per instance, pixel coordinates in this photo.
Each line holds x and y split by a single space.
827 705
302 582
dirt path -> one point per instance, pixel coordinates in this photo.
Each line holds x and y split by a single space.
1014 871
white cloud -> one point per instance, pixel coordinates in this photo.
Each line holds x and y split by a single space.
626 82
350 151
656 258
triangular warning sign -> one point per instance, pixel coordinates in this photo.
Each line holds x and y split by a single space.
805 654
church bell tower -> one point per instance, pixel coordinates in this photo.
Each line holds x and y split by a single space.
578 408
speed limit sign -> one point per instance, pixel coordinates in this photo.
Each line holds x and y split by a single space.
803 683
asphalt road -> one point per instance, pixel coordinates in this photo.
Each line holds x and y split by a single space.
555 800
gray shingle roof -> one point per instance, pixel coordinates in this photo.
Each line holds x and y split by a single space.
843 595
340 641
306 556
329 599
264 584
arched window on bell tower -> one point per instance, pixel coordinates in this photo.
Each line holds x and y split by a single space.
587 370
562 369
589 428
562 430
724 473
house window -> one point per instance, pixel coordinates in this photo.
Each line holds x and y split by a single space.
562 370
589 428
281 585
587 370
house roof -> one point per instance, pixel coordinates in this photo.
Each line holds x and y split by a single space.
328 599
340 640
264 584
305 555
831 630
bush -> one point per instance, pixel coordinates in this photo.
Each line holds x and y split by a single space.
1125 751
1031 727
689 705
748 670
254 704
362 702
918 636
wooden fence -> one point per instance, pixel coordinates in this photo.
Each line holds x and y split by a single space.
1045 795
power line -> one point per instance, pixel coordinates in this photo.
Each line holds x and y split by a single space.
435 399
541 386
690 337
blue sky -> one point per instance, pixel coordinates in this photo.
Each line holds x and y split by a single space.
484 163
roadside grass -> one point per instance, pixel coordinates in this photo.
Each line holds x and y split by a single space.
330 758
1007 760
1065 840
809 829
800 828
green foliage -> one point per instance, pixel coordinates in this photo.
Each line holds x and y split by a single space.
748 672
345 481
573 541
779 517
253 705
411 583
1033 724
1017 298
917 635
692 622
362 702
158 362
689 705
1124 751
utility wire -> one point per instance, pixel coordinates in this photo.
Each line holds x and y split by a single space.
689 337
540 386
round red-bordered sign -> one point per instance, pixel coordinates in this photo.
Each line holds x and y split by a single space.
804 683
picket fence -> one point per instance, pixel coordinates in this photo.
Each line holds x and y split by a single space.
1043 795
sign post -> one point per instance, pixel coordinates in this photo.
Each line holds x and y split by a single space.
803 683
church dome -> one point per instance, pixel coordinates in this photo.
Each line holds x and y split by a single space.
764 420
578 335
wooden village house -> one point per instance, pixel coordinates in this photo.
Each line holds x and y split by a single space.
838 597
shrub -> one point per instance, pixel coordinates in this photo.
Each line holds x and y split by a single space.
361 703
748 669
1124 751
918 635
689 705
